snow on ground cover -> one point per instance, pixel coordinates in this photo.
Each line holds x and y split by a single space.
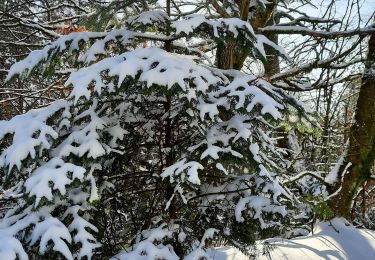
332 240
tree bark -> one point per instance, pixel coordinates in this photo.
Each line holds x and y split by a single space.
261 19
361 150
272 64
229 57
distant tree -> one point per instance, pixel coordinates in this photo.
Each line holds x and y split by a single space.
26 25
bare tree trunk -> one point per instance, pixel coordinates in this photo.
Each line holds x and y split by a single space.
272 65
228 57
361 151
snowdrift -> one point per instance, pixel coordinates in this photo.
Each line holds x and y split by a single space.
336 239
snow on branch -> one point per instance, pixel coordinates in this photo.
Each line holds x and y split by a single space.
259 205
147 248
68 42
199 252
263 40
11 248
149 65
316 175
30 131
83 237
72 42
220 27
178 169
52 229
148 18
281 29
52 176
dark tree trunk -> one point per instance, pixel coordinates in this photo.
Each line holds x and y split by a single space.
261 19
229 57
272 65
361 151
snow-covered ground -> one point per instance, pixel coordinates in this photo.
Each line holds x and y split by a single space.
331 240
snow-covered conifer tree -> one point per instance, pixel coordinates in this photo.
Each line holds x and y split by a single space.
156 153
